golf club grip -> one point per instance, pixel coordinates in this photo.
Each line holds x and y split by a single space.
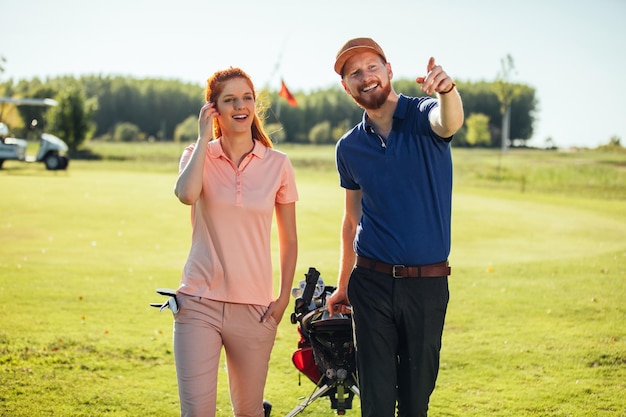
311 281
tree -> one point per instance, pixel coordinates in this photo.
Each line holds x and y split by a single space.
549 143
276 132
506 92
341 129
187 130
9 113
157 107
320 133
71 118
478 130
615 141
126 132
34 117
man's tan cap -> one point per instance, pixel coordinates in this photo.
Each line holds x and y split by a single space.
353 47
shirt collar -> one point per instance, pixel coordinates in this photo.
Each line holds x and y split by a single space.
402 107
399 113
259 149
216 151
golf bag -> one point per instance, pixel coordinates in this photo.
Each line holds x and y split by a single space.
326 353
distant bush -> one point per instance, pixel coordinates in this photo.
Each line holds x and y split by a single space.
126 132
187 130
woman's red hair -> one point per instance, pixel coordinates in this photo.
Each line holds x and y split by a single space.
215 87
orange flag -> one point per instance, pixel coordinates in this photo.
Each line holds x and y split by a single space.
285 93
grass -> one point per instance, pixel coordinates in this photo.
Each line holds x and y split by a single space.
534 327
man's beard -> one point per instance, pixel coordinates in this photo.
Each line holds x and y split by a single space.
373 101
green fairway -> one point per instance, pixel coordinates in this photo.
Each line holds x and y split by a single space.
535 325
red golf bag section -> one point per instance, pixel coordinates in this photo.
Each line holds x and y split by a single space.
304 361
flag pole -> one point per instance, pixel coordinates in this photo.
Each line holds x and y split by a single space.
277 112
279 60
275 70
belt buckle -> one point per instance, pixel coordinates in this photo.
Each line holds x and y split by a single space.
393 270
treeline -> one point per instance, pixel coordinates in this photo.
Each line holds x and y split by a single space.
119 108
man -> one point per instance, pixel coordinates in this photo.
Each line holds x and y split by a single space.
396 168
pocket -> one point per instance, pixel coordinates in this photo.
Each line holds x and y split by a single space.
355 275
445 292
259 311
272 321
186 302
271 324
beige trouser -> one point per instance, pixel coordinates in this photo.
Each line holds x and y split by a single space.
201 328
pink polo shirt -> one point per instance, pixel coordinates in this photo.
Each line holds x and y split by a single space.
230 258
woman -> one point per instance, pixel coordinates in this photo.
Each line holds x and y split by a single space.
234 181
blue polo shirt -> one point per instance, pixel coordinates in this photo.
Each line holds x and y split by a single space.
406 186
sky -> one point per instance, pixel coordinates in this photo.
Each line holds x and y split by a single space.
572 52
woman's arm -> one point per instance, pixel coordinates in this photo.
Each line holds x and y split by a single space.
288 244
189 182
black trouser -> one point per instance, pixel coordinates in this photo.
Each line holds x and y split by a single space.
398 324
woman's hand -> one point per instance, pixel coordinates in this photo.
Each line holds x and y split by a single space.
276 309
205 120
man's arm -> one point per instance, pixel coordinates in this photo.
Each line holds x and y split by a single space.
351 217
447 118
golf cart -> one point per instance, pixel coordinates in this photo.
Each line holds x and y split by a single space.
52 150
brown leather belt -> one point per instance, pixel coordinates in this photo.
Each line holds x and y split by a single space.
441 269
